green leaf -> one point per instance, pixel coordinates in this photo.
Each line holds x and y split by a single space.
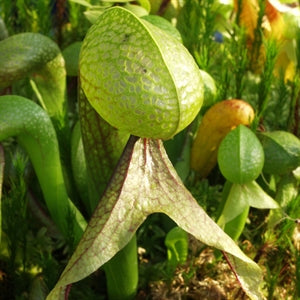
286 192
243 195
145 4
122 273
282 152
235 204
117 1
2 162
179 150
137 10
163 24
103 146
78 163
235 227
296 173
145 89
24 119
93 14
38 57
240 155
82 2
210 89
71 56
38 289
257 197
177 244
145 182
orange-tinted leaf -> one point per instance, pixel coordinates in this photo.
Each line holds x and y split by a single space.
275 20
248 15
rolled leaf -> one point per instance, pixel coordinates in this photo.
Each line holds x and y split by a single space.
37 57
24 119
103 146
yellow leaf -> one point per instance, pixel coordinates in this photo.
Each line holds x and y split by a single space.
286 61
248 15
220 119
275 19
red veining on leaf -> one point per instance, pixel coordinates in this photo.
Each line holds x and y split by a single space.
103 144
231 267
145 182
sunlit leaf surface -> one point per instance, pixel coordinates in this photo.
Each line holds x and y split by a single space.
145 182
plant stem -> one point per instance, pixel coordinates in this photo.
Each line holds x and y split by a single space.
2 163
235 227
297 290
122 273
293 120
103 145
